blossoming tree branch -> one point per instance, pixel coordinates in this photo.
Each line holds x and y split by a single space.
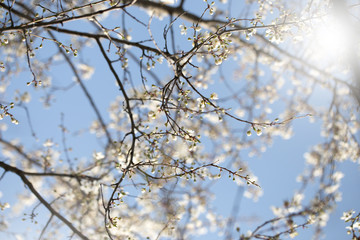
124 119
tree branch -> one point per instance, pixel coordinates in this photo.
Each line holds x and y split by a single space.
26 181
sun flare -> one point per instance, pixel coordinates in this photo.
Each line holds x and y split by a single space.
331 39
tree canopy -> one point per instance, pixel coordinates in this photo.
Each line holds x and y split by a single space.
130 119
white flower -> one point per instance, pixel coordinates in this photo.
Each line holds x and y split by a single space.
98 155
183 29
332 188
160 59
298 197
347 215
48 143
356 225
338 176
277 211
86 71
311 219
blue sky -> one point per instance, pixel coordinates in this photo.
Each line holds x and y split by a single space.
276 168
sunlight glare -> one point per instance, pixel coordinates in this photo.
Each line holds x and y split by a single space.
331 39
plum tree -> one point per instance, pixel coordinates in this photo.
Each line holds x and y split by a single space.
200 87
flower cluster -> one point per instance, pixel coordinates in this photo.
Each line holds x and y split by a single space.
354 228
5 112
